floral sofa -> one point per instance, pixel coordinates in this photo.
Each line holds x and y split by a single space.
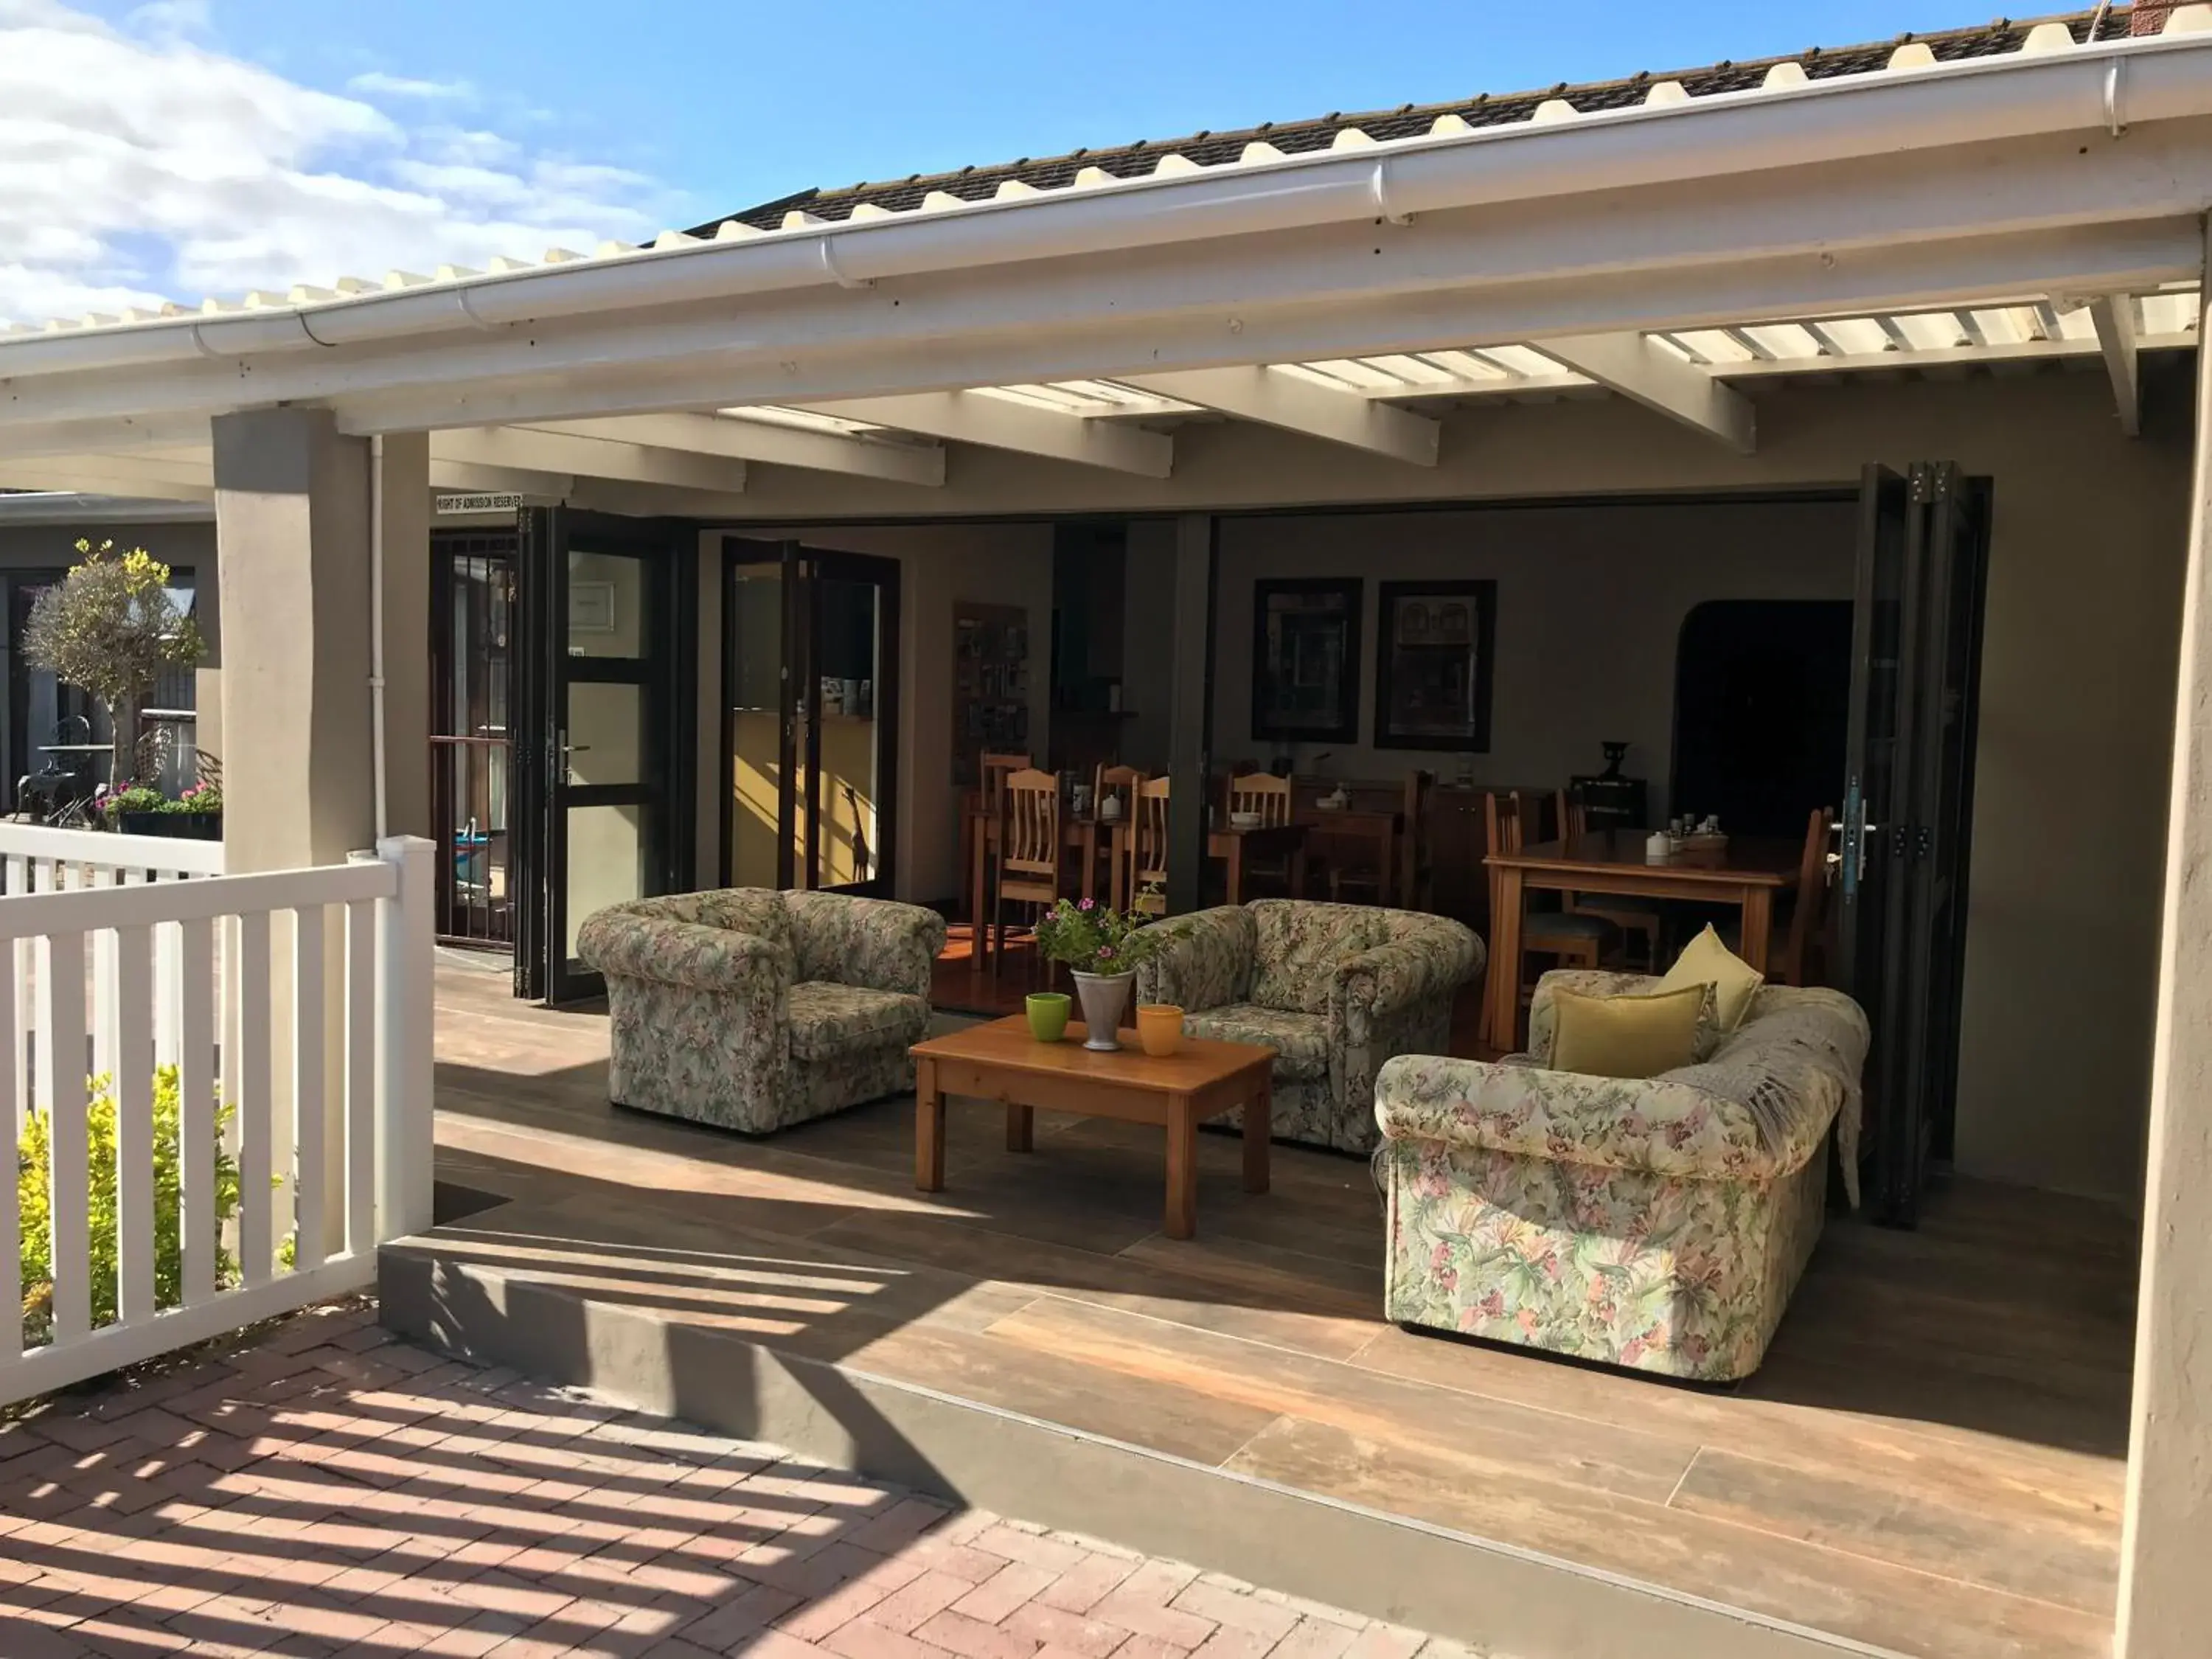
1335 989
754 1009
1658 1224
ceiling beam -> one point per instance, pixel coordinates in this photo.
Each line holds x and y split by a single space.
736 437
108 475
589 457
501 480
1632 366
2114 316
974 417
1275 398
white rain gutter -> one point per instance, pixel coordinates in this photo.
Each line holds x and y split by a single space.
2103 86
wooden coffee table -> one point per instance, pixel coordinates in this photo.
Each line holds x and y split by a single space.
1001 1062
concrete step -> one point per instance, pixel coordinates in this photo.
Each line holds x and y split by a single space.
1497 1598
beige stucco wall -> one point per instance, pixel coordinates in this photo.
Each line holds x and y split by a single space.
2077 670
1590 604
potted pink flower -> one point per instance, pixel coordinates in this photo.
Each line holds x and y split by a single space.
1101 947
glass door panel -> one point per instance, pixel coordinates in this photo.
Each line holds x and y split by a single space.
810 664
845 762
757 816
595 770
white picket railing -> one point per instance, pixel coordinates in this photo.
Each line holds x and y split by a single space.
298 1000
36 859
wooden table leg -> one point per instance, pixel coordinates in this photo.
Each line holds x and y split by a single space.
1757 924
1087 845
1183 1169
1117 877
1299 871
1259 1126
1505 984
1021 1127
1235 863
928 1129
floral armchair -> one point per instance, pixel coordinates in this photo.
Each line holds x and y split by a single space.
1335 989
1660 1225
754 1009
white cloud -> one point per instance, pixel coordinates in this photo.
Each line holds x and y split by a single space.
137 164
377 83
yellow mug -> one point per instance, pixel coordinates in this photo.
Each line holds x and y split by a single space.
1159 1028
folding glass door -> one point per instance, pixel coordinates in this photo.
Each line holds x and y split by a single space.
603 641
811 677
1908 805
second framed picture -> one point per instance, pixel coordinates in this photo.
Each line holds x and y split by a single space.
1433 673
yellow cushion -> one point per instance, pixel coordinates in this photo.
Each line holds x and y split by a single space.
1706 961
1626 1036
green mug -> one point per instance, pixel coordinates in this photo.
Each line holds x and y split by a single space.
1047 1015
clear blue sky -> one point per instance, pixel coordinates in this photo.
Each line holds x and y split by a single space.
735 102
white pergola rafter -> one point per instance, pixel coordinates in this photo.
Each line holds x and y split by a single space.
505 480
588 457
996 423
1273 397
735 437
2114 317
1634 366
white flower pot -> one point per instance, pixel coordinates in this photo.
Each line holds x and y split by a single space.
1103 997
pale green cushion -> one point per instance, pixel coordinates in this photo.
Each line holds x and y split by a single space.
1706 961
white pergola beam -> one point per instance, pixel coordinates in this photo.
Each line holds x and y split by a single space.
2114 317
1273 398
98 475
974 417
735 437
588 457
501 480
1634 366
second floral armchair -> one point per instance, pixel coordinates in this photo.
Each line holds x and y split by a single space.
1335 989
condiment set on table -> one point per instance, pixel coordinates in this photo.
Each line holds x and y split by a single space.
1685 835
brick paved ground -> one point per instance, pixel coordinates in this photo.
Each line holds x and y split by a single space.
326 1491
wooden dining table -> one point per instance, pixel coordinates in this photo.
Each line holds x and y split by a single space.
1745 872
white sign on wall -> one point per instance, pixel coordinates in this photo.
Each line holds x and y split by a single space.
492 502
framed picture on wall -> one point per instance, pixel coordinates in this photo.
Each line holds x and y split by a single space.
1433 668
1306 659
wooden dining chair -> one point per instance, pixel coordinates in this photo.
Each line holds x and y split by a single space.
1569 939
1120 782
1147 877
1411 884
1644 917
1269 796
1030 850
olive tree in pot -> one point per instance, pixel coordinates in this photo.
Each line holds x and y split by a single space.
110 627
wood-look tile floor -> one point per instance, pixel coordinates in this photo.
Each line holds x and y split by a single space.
1931 1459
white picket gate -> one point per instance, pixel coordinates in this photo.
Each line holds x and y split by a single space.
326 971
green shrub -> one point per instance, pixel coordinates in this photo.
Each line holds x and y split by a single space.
34 1189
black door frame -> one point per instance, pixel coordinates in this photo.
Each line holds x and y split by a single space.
798 715
543 669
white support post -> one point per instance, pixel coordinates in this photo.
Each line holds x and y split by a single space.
2166 1592
406 1026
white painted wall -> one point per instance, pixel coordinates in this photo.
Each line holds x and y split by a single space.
1590 605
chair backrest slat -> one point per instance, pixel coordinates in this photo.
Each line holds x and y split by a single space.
1262 792
995 768
1031 840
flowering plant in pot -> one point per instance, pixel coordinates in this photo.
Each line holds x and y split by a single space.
1101 946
